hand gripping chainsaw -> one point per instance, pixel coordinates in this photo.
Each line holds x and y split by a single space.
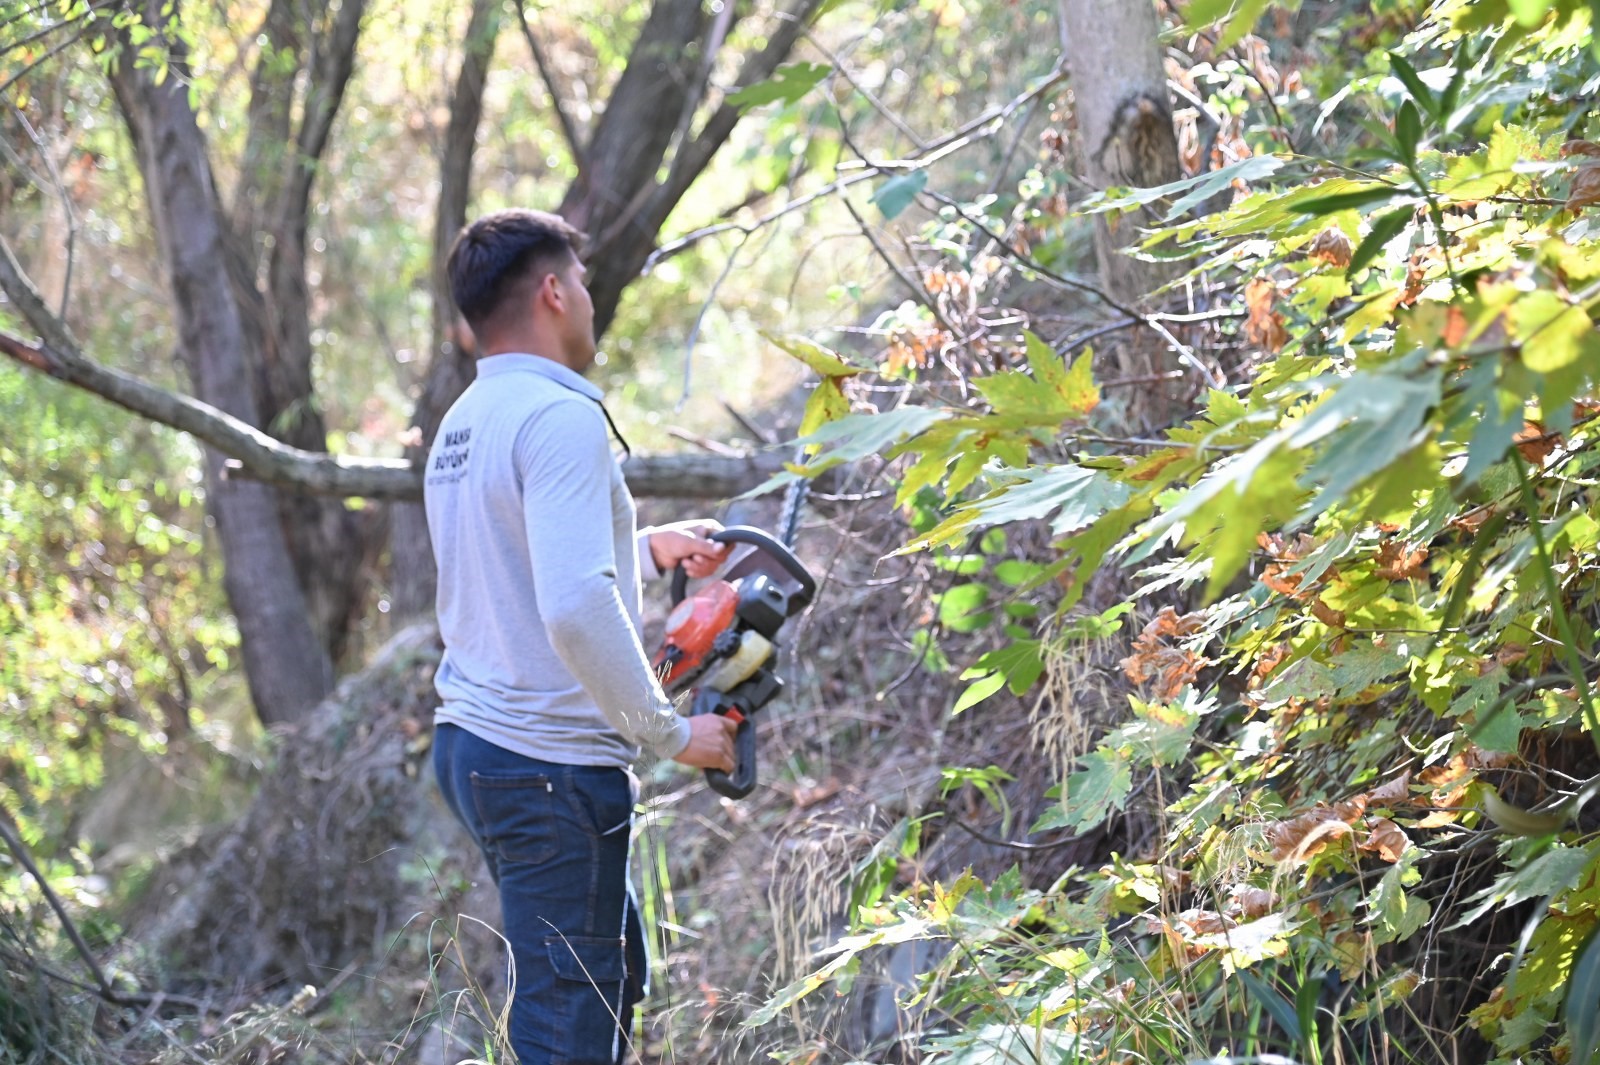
722 641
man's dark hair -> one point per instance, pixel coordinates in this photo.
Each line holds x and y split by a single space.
493 256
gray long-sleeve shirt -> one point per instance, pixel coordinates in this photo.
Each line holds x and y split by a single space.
539 604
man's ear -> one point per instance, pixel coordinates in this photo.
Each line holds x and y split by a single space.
550 294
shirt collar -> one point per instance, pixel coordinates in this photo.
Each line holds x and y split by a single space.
518 362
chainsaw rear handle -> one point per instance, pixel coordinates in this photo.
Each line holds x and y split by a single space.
766 544
742 781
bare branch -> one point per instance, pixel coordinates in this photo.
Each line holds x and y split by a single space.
569 128
983 126
877 105
322 104
260 457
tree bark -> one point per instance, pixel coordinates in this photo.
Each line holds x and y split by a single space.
254 456
1124 120
286 666
270 222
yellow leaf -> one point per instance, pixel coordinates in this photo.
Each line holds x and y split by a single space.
827 403
825 362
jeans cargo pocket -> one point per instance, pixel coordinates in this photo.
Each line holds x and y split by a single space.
518 816
586 999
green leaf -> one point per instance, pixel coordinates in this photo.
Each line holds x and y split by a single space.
1550 329
1277 1006
978 691
1408 77
1090 794
1191 190
1368 422
1408 130
1359 195
1020 664
1583 1001
1052 393
790 82
859 435
1394 914
1549 874
960 609
899 192
1080 495
1384 229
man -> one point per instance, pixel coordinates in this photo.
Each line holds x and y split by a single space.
546 691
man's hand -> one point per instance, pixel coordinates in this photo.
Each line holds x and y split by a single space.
685 542
710 743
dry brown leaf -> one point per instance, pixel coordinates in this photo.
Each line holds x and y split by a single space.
1203 922
1281 581
1393 793
1253 902
1587 149
1301 838
1508 655
1263 326
1438 776
1473 519
1398 561
1585 188
1385 839
1330 617
1584 409
805 796
1478 758
1534 443
1155 659
1417 274
1332 247
1270 660
1286 550
1455 326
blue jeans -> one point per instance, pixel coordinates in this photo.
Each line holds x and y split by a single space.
556 841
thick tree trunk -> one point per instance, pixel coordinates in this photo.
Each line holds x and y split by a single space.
286 666
270 221
1124 120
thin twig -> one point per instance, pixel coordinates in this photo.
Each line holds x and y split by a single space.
569 129
1012 844
877 105
51 54
1184 352
20 852
66 206
699 319
934 151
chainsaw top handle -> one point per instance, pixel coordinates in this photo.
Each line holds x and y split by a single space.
780 563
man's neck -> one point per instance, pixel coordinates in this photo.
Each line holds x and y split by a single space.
529 346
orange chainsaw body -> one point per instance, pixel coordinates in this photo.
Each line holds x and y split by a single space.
692 627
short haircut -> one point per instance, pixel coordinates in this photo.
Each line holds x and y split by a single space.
493 256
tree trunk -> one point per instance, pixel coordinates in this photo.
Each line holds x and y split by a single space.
1124 121
285 664
270 222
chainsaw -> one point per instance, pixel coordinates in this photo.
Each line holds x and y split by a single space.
721 642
